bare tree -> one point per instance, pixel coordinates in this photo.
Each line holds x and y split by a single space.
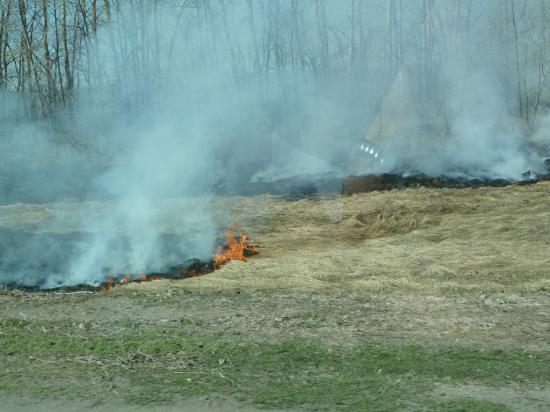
390 29
54 48
351 34
93 13
66 53
4 41
28 66
256 48
322 33
107 8
427 42
47 60
523 111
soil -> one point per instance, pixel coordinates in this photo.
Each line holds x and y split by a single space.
12 403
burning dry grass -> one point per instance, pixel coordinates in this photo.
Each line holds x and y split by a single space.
414 239
235 247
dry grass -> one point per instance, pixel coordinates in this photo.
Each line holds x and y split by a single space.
419 239
428 240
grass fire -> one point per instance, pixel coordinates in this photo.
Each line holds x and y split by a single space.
234 247
274 205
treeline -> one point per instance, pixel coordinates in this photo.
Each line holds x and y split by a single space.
41 46
52 53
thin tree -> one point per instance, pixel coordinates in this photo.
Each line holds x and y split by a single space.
27 62
256 49
65 41
351 34
322 33
4 42
47 60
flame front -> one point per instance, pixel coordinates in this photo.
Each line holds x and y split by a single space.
234 248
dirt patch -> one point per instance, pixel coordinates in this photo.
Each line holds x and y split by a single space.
336 318
526 400
16 404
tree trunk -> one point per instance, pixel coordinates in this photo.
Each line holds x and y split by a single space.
47 59
426 44
28 57
107 8
65 41
351 39
21 69
4 38
390 34
320 12
3 29
57 56
229 40
93 13
298 36
518 72
256 50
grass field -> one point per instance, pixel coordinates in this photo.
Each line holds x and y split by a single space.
405 300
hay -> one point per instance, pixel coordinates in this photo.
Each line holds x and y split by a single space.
416 239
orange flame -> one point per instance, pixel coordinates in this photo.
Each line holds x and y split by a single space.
235 248
126 279
108 284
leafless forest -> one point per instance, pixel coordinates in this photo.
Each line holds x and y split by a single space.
63 55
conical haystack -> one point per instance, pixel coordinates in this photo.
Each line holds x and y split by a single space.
398 112
407 127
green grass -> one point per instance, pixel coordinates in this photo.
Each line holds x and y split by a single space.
163 364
